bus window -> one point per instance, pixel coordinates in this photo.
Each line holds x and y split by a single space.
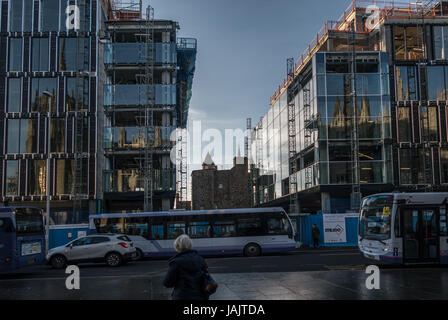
443 221
109 225
136 226
250 227
223 229
197 229
375 219
397 226
156 231
278 225
6 226
29 221
175 229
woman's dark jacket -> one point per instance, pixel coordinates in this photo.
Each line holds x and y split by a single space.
185 275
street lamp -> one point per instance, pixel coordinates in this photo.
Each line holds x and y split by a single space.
47 214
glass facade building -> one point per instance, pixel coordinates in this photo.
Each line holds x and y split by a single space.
79 89
392 88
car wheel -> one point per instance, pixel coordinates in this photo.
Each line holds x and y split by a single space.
58 261
252 250
114 259
139 255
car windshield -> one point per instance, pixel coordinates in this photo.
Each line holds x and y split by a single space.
375 219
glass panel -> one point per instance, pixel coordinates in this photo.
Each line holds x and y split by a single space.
436 83
338 84
15 15
406 83
223 229
49 15
37 173
340 172
13 133
399 43
29 221
439 52
157 231
57 136
430 129
444 165
28 136
70 97
404 124
199 230
250 227
28 16
136 226
15 54
65 176
367 84
12 178
414 43
40 54
43 94
14 94
339 128
175 229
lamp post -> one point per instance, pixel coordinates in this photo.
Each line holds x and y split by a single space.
47 214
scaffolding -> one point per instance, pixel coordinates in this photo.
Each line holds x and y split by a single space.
148 112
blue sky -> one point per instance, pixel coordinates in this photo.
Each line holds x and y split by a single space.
242 50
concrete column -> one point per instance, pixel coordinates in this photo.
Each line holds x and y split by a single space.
325 202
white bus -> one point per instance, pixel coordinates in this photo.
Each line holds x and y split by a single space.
404 228
214 232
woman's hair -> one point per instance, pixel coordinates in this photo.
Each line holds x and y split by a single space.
183 243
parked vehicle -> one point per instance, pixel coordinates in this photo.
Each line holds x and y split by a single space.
114 249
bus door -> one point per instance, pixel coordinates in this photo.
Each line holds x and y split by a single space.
420 234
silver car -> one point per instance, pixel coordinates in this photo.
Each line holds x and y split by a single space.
114 249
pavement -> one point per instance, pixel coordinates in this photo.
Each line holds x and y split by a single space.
341 277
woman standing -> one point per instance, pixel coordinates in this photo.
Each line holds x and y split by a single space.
186 272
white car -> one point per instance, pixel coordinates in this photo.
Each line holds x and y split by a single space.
114 249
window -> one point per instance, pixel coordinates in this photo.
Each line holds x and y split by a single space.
6 226
404 124
65 173
109 225
278 225
408 43
96 240
157 231
14 94
175 229
250 227
40 54
43 94
15 15
406 83
15 54
12 178
124 238
82 242
443 222
70 58
37 177
429 120
198 229
29 221
136 226
436 83
57 136
412 166
22 136
440 42
49 15
224 228
70 97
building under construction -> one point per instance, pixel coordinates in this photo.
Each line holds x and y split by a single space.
107 93
362 111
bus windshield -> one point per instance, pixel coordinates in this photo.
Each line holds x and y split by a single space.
375 219
29 222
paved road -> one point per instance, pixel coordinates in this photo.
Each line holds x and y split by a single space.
306 275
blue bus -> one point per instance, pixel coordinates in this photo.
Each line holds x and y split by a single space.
22 238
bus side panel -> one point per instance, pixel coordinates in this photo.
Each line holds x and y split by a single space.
7 251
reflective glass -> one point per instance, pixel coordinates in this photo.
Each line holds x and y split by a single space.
14 94
436 83
40 54
57 137
37 175
12 178
49 15
43 94
15 54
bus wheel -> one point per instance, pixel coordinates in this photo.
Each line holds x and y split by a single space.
139 255
252 250
58 261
